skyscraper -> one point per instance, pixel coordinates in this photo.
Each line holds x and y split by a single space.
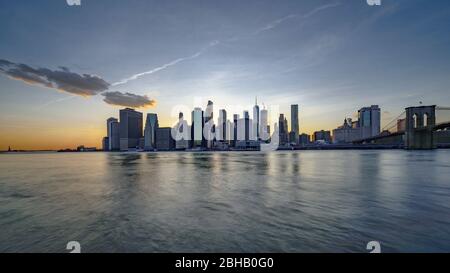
294 123
256 120
247 126
208 126
181 133
130 128
164 140
369 119
263 125
197 127
113 134
221 133
283 129
235 129
151 124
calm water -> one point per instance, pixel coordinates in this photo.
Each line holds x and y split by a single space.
308 201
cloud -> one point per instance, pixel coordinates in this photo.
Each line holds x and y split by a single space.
320 8
275 23
269 26
62 79
164 66
127 99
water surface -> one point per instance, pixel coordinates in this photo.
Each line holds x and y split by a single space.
306 201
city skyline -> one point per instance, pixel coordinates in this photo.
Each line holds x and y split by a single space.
172 53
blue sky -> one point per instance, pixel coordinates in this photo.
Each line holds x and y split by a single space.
330 57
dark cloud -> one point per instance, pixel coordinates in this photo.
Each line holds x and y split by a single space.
63 79
127 99
79 84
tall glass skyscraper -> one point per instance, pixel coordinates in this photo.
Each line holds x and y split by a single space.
113 134
369 119
221 134
235 129
130 129
151 124
208 126
295 129
197 127
283 129
247 126
263 132
256 120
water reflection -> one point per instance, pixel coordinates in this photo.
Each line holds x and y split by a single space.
228 202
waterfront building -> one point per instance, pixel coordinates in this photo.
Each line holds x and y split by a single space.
283 130
295 129
256 121
151 124
235 129
209 128
346 133
181 132
264 133
304 139
130 129
293 138
197 128
113 134
322 136
247 126
105 144
164 140
229 132
369 119
221 132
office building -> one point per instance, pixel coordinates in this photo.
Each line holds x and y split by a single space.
229 132
113 134
247 126
293 138
264 133
295 129
164 140
322 136
283 130
105 144
208 129
346 133
151 124
256 120
130 129
181 133
369 119
235 129
221 132
304 139
197 128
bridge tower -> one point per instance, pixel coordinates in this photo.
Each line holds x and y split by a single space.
420 122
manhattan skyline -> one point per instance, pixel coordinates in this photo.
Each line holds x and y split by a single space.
163 54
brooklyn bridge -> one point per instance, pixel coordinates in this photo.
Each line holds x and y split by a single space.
416 128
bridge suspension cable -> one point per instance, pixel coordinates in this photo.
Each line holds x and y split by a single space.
442 108
393 123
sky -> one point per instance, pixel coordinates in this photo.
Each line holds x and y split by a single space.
65 69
